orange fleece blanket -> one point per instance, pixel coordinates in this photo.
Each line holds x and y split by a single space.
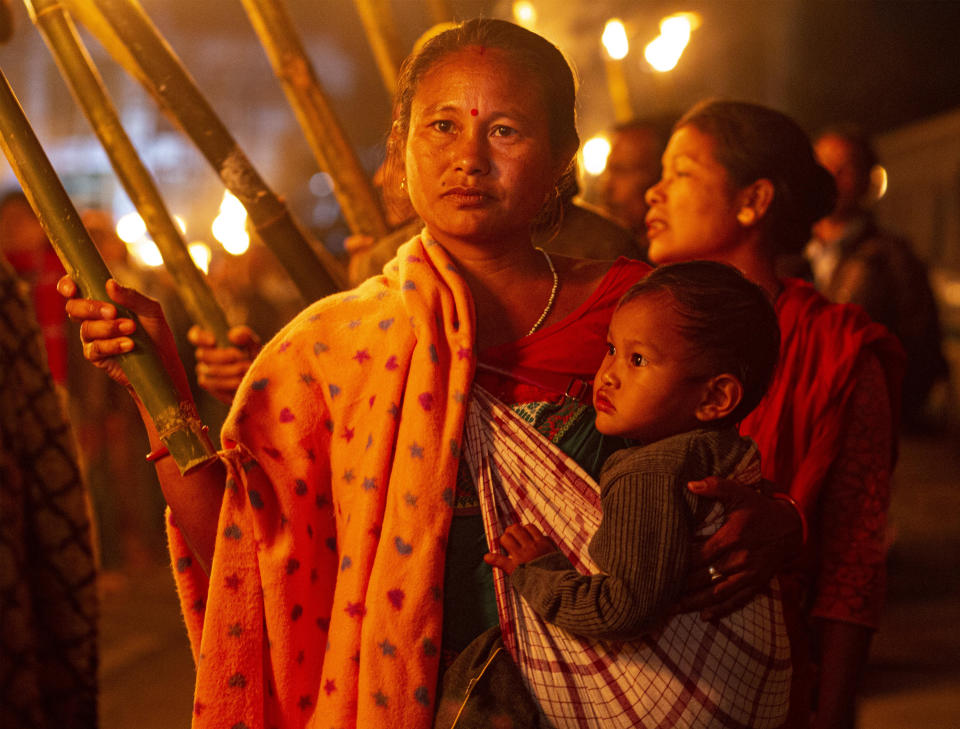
323 606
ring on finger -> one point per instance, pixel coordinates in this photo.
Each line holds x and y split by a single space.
715 574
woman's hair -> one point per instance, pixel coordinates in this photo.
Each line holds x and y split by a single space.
532 53
727 320
753 142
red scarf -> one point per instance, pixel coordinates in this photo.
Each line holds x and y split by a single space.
799 424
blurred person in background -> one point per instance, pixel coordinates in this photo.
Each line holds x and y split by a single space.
633 166
48 598
24 244
855 261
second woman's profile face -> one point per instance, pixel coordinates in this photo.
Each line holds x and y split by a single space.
479 162
694 206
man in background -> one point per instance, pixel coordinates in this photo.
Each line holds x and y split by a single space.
854 260
633 166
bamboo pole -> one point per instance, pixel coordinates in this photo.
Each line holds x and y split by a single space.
176 420
123 24
292 66
81 74
377 19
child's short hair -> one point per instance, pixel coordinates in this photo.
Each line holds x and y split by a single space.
728 320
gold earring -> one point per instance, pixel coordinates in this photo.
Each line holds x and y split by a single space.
746 216
403 184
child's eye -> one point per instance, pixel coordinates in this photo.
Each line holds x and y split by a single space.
638 360
611 350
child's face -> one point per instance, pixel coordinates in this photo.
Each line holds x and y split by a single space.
646 388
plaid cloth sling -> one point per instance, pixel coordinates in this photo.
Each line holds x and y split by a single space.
691 673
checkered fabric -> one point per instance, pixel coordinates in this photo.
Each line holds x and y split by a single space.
734 672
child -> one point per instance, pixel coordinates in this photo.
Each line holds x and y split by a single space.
691 350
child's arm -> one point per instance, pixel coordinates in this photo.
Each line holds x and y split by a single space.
642 546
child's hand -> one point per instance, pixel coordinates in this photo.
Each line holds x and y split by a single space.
524 543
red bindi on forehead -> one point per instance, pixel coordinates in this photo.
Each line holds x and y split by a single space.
474 112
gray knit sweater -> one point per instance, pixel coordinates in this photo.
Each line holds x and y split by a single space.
643 542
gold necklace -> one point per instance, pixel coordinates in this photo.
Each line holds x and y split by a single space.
553 293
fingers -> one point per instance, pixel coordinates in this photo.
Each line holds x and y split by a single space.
734 600
356 243
133 300
80 309
101 349
719 597
520 536
244 337
222 356
724 489
513 538
66 287
200 337
88 309
500 561
245 340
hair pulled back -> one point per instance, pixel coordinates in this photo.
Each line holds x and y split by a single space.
728 321
754 142
532 53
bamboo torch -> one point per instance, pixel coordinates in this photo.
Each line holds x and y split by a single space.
377 20
617 45
125 30
80 72
292 66
176 420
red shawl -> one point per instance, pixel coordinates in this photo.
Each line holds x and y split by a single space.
798 425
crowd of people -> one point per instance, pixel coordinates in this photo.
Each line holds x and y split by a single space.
549 464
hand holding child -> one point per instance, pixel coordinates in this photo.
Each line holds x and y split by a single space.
523 543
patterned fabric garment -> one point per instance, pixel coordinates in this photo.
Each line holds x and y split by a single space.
815 447
48 601
734 672
322 608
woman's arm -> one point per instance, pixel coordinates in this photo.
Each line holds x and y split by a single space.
760 536
194 499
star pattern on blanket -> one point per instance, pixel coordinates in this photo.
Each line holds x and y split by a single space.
300 423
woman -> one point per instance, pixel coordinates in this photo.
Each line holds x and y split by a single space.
347 543
741 185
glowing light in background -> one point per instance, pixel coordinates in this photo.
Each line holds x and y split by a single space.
321 184
230 226
614 39
180 223
879 181
146 252
201 254
524 13
595 153
663 52
131 228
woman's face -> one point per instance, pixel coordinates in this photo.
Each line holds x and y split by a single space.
694 206
479 162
